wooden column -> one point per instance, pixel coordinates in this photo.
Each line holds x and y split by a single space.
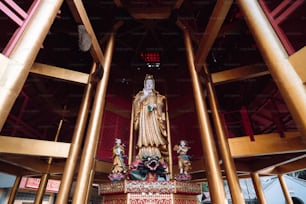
258 188
44 179
41 189
288 81
14 190
15 72
285 189
228 162
77 139
93 133
215 182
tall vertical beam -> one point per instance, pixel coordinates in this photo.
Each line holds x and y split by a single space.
14 190
93 133
41 188
258 188
23 55
77 139
215 182
169 143
45 177
285 189
230 169
131 141
288 81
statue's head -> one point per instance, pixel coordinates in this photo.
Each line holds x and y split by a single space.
183 143
149 82
117 141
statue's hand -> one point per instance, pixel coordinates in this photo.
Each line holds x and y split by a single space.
151 107
144 96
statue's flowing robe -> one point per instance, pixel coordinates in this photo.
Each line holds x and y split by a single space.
118 160
150 123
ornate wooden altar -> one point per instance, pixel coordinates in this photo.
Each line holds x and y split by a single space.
144 192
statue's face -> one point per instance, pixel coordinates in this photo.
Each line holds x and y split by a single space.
118 141
149 84
183 143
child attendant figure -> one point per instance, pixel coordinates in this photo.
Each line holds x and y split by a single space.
184 162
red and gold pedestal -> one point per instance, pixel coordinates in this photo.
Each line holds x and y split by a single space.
144 192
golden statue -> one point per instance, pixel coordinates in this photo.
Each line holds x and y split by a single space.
150 121
149 124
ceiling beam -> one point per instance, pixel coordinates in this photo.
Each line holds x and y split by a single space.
13 169
270 162
297 165
16 145
297 60
243 166
266 144
211 32
79 13
32 164
59 73
162 12
239 73
156 13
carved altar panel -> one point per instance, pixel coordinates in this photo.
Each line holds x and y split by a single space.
184 199
115 199
149 199
138 198
143 192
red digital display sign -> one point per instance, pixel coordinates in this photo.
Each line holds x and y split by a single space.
150 57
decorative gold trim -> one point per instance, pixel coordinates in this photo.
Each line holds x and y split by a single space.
144 187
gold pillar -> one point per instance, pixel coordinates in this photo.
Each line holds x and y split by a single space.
169 143
23 55
131 141
215 182
230 169
258 188
289 83
93 133
44 179
285 189
14 190
91 178
77 138
41 189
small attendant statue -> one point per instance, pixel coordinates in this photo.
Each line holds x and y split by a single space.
119 167
184 162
